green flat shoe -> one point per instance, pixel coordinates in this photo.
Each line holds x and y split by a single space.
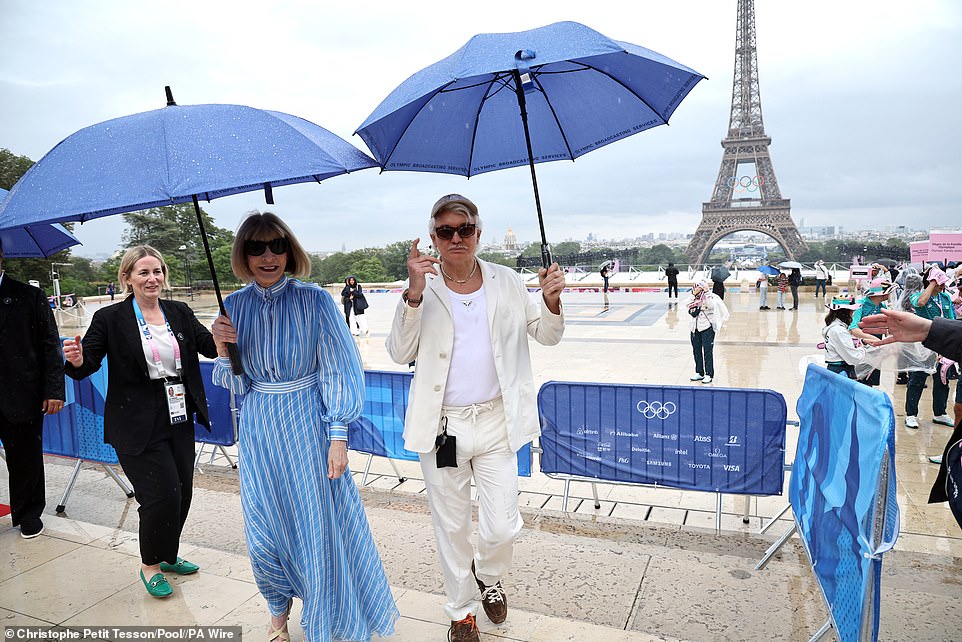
157 586
182 567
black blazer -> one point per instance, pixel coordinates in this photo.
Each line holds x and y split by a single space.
31 358
945 337
130 408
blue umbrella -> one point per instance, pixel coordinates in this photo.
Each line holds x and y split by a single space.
32 241
510 99
769 270
172 155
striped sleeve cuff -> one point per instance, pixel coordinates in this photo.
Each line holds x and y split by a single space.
337 432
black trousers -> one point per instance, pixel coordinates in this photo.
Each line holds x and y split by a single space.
673 285
162 477
23 447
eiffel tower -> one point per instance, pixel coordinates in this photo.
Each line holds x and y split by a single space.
746 194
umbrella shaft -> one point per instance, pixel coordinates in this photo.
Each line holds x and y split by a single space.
522 105
234 354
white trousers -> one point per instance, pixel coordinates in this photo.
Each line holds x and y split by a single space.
361 321
483 453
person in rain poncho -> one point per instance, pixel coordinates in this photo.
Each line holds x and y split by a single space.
708 313
925 297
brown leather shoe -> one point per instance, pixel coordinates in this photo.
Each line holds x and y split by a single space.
493 599
465 630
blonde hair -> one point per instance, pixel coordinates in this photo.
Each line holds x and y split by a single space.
131 256
265 226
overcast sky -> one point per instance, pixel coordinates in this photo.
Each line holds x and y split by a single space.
861 98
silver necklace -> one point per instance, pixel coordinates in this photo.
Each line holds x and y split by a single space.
473 270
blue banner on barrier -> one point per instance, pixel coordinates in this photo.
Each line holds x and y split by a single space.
380 428
847 434
219 408
78 430
710 439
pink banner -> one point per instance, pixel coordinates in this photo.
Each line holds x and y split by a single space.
920 251
945 247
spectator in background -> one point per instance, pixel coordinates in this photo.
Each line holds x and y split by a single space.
841 353
821 277
931 303
672 273
944 337
795 280
876 295
781 282
354 301
762 284
708 313
604 275
31 386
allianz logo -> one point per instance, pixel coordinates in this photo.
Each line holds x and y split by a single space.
656 409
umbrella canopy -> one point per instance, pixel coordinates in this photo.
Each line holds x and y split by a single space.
510 99
768 269
172 155
790 264
33 241
886 262
175 155
720 273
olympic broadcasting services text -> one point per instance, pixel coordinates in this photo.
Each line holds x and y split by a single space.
230 633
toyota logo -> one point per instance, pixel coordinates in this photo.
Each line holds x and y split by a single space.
653 409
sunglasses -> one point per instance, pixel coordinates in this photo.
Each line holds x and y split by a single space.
277 246
446 232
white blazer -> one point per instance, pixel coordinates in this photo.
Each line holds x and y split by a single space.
426 333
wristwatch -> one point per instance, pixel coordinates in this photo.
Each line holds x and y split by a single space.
412 302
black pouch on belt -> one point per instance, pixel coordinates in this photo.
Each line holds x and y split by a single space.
447 456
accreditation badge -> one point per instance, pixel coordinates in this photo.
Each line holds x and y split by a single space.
176 402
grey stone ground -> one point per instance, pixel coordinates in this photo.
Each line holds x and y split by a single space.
667 581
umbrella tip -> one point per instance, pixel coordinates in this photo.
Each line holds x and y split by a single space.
170 97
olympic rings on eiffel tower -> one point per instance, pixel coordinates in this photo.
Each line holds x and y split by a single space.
745 183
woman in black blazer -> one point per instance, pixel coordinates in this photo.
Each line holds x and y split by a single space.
154 390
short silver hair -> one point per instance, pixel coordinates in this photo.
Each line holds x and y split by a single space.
457 208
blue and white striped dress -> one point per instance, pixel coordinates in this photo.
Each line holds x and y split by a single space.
307 536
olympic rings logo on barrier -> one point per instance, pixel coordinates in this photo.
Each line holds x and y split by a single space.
653 409
745 183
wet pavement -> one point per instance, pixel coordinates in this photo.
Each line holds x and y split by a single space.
646 565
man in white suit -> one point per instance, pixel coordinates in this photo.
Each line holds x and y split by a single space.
472 403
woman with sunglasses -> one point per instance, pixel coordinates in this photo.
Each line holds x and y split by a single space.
154 392
306 531
472 403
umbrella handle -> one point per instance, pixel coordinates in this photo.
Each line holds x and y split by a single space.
235 360
545 255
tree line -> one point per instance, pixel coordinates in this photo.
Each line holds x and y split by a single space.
173 231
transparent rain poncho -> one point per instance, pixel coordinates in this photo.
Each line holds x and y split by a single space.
904 357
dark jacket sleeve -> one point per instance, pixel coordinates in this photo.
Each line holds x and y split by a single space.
945 337
94 347
53 385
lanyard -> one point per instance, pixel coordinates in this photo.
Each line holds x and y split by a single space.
150 341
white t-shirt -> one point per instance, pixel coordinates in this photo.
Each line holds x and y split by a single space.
472 377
